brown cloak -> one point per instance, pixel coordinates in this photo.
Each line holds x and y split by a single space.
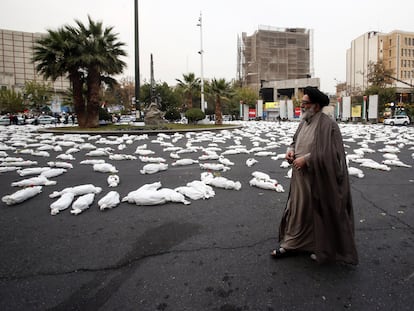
331 204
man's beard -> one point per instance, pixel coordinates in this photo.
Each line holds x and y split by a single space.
308 113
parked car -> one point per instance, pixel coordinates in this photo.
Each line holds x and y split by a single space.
127 119
397 120
46 119
5 120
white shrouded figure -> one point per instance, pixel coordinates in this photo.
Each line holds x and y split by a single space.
110 200
82 203
21 195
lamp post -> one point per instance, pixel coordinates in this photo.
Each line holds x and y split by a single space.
137 85
201 52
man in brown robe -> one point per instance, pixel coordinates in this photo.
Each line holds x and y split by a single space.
318 217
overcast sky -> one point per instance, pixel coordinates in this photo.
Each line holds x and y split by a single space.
168 29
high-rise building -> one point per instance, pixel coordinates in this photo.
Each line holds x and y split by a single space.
395 50
16 67
274 54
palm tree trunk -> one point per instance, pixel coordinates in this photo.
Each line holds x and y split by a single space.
218 116
189 101
92 108
78 101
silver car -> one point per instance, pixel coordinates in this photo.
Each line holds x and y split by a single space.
46 119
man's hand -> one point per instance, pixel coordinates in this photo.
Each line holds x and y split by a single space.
299 163
290 156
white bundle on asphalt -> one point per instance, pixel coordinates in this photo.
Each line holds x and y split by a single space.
53 172
153 168
173 196
214 167
251 161
21 195
62 203
9 169
32 171
82 203
225 161
182 162
97 153
219 181
105 168
40 153
395 163
268 185
143 152
120 157
113 180
196 190
77 190
110 200
147 159
65 157
93 161
34 181
60 164
353 171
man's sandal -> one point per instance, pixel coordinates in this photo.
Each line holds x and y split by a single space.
278 253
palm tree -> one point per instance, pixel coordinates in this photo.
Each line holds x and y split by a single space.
221 89
189 85
86 55
100 58
59 54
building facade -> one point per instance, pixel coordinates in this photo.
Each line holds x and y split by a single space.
395 50
274 54
16 67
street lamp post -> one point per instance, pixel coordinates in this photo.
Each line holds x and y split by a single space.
201 52
137 84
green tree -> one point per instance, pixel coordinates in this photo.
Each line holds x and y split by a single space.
101 59
221 89
59 54
194 114
247 95
168 98
378 75
190 85
37 94
87 55
11 101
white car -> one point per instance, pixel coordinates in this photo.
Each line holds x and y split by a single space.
5 120
45 119
397 120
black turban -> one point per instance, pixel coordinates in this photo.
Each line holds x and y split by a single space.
316 96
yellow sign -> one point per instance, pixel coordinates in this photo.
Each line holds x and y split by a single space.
356 111
272 105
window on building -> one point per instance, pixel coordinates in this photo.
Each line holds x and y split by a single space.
390 42
409 41
406 41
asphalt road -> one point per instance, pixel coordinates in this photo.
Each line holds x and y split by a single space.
210 255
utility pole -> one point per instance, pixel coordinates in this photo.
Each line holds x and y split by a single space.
137 84
201 52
